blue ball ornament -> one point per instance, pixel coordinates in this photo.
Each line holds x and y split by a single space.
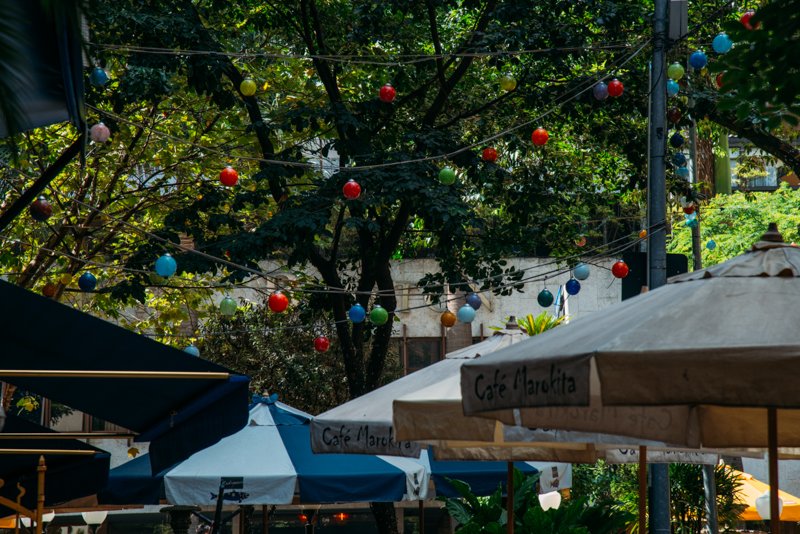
474 300
545 298
572 286
682 172
581 271
679 160
87 282
357 313
466 313
673 88
676 140
600 91
191 349
166 266
711 245
722 44
98 77
698 59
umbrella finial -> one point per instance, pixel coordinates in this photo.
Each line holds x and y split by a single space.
772 234
512 323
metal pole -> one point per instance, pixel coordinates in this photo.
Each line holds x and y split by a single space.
642 489
772 442
657 214
510 496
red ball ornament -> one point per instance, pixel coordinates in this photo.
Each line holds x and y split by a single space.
674 115
228 176
719 79
489 154
49 290
540 136
351 190
278 302
688 209
581 241
615 88
387 93
41 209
321 344
620 269
745 19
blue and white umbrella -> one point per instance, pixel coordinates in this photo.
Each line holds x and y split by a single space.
270 461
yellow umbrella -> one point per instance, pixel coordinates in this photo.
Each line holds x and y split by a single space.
751 489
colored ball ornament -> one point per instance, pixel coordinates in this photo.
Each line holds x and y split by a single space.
351 190
581 241
615 88
711 245
677 140
581 271
688 209
489 154
722 44
620 269
466 313
673 88
674 115
698 59
508 83
447 176
228 176
321 344
49 290
99 133
166 266
474 300
378 315
545 298
719 79
600 91
357 313
387 93
278 302
679 159
745 19
87 281
642 233
98 77
682 172
540 136
247 87
692 223
65 279
572 286
191 349
41 209
675 71
227 307
447 319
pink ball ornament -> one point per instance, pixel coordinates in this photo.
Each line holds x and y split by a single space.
99 133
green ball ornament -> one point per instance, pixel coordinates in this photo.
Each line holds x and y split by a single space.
508 83
447 176
545 298
378 315
227 307
247 87
675 71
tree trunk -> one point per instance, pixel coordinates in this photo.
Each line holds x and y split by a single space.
460 334
385 517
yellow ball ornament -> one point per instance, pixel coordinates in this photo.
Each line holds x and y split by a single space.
508 83
65 279
247 87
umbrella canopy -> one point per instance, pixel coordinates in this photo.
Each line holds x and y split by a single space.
696 362
176 401
751 489
68 476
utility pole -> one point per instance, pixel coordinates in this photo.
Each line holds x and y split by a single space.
656 237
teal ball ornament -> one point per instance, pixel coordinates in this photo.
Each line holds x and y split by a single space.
682 172
466 313
545 298
357 313
98 77
191 349
87 282
711 245
673 88
722 44
581 271
572 286
166 266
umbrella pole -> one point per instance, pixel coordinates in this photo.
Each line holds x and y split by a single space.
264 519
642 490
510 495
421 516
772 443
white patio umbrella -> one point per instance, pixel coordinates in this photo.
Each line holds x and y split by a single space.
711 359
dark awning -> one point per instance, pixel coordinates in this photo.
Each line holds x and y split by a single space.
178 414
67 477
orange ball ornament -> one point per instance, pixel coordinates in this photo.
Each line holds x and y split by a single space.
540 136
49 290
447 319
642 233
